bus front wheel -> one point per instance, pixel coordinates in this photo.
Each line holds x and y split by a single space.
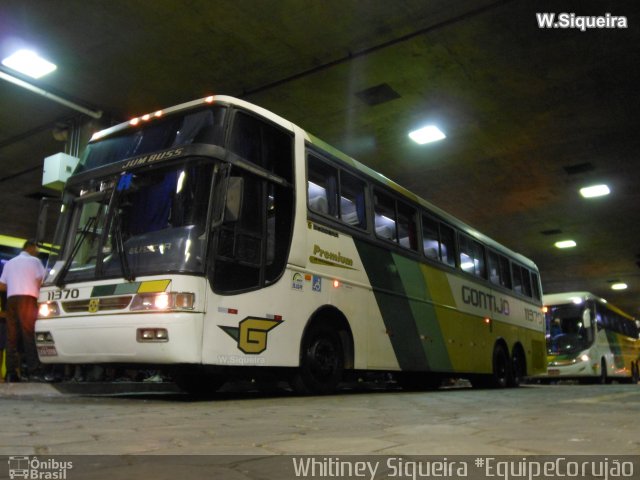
603 379
321 361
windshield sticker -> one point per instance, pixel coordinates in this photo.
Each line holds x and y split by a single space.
251 334
297 282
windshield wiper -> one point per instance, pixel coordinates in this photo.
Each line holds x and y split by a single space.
76 247
122 254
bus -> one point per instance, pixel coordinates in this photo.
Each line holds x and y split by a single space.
589 339
217 239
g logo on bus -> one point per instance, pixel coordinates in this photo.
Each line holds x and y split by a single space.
94 305
251 334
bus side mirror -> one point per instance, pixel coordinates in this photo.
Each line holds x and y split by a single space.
586 318
233 203
45 217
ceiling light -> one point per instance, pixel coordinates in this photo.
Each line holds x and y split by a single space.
29 63
427 134
595 191
619 286
565 244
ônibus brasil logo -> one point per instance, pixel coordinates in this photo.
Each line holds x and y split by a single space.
36 469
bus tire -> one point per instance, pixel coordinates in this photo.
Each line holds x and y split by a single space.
501 367
635 373
499 378
603 379
518 367
321 361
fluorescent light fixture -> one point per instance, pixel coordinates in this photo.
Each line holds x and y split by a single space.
619 286
29 63
427 134
565 244
595 191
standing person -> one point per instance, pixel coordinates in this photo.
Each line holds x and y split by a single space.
21 278
3 326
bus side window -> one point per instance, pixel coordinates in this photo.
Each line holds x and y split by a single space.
430 238
322 187
494 268
535 283
471 256
447 245
517 278
263 144
385 217
599 321
526 282
352 198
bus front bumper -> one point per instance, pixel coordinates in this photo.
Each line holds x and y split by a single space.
152 338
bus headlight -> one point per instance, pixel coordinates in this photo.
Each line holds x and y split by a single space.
48 310
163 301
584 357
44 338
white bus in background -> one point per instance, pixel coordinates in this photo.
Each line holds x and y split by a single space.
589 339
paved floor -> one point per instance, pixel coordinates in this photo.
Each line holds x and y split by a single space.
38 419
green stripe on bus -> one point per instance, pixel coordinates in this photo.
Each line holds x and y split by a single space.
394 306
103 290
414 278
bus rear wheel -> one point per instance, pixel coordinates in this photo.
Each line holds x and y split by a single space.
518 368
321 362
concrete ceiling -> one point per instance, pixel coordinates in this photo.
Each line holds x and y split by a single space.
531 114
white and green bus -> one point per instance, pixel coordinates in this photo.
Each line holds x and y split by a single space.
590 339
221 240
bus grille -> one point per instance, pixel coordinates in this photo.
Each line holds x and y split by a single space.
97 304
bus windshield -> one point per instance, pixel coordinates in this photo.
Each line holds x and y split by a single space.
567 330
139 223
